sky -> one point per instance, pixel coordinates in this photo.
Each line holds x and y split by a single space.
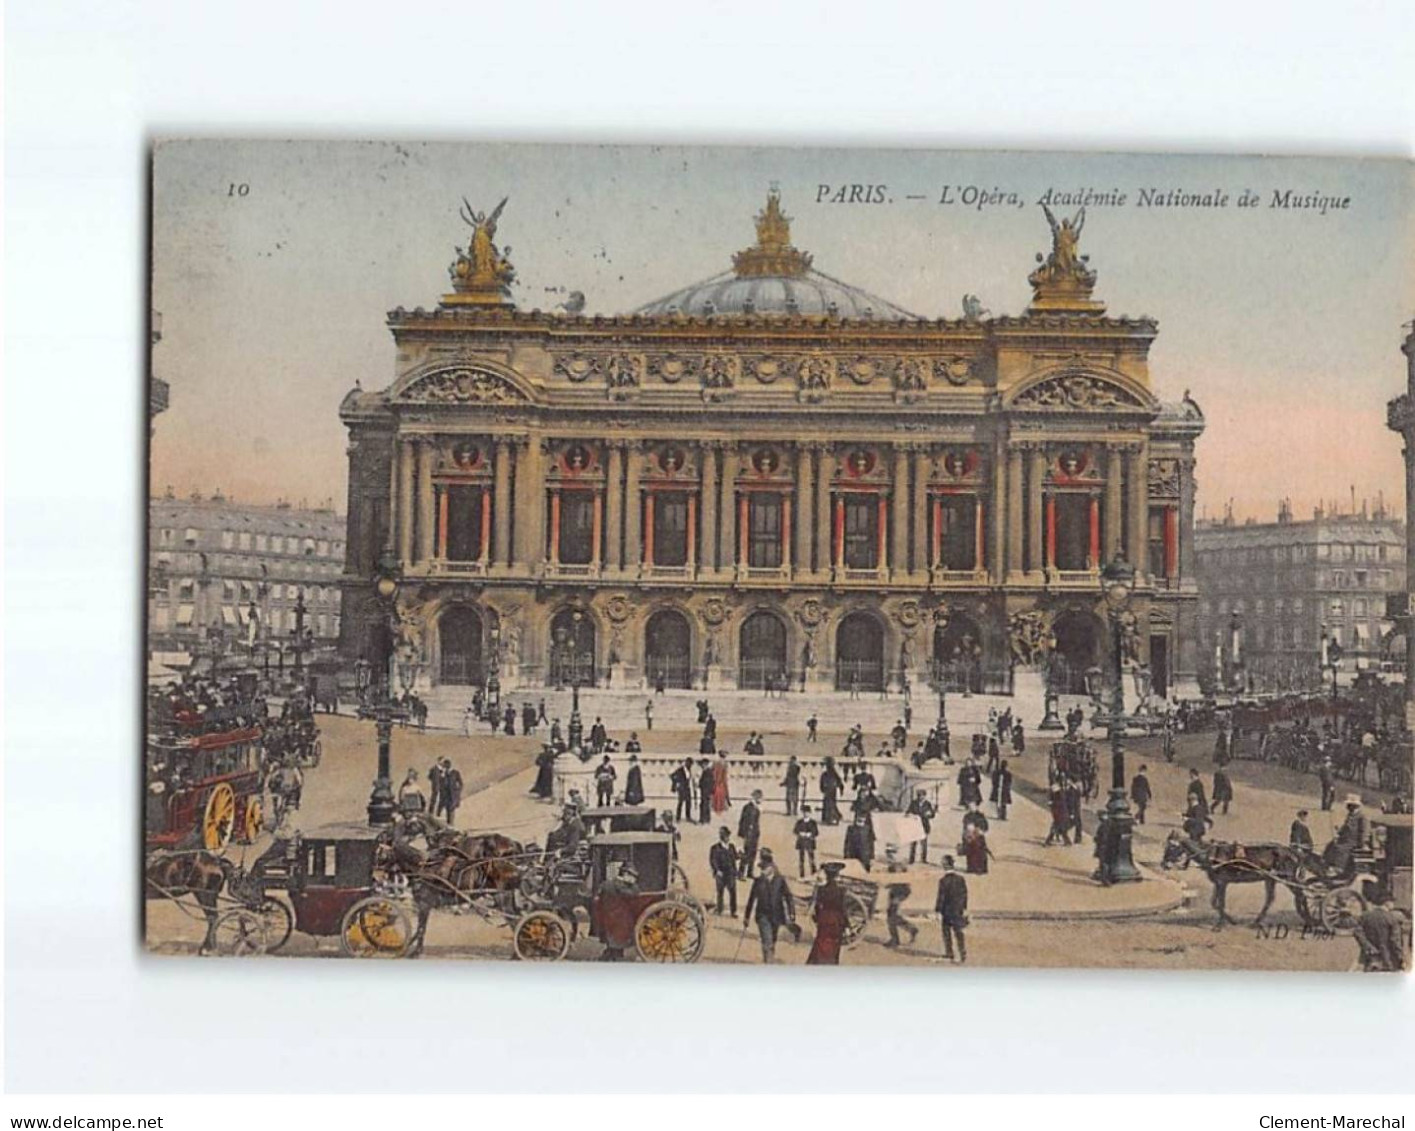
275 263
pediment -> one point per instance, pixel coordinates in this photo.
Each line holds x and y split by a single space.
1082 390
460 383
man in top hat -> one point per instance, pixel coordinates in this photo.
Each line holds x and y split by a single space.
1350 837
792 782
681 779
749 829
952 908
920 806
724 861
1195 793
1141 794
806 832
771 904
706 780
828 911
899 891
634 782
604 776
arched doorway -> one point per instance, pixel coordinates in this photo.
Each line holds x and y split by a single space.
668 649
958 654
1078 641
859 653
572 649
762 654
460 630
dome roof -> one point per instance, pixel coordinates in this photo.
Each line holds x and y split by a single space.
773 277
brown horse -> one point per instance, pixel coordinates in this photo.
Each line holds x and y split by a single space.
199 874
1225 863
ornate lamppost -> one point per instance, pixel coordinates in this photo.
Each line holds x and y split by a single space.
577 726
1332 653
381 802
1117 829
298 632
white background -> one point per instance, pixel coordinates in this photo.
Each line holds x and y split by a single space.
87 85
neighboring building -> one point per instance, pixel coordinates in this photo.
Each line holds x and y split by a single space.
226 576
1282 586
770 472
1400 417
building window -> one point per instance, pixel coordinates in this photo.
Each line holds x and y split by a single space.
186 589
1358 607
324 547
1155 543
1073 532
1259 606
958 533
309 547
464 522
764 530
191 536
577 527
861 532
670 528
1337 608
1361 575
1297 606
261 543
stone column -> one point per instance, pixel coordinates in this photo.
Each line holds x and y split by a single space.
405 500
730 463
1139 508
707 456
998 524
427 456
923 466
530 502
899 518
1186 519
1014 510
825 518
1113 506
614 508
501 502
633 506
1036 476
801 558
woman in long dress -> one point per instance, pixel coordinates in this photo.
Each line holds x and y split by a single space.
830 918
545 774
831 784
721 798
975 850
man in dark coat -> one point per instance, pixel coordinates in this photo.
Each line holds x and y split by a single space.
898 891
723 859
604 776
1380 934
1223 791
599 736
1072 793
528 718
1299 836
451 790
436 793
1196 793
771 904
1002 789
634 782
749 829
1059 824
806 832
705 784
681 779
952 908
920 806
1141 794
860 840
1328 780
792 782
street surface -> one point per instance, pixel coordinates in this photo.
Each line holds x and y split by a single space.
1037 907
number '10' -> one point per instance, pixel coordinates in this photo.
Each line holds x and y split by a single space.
238 190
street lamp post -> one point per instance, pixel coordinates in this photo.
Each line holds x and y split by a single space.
1050 699
381 803
577 725
1117 830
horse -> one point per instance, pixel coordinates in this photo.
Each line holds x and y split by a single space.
1226 863
200 874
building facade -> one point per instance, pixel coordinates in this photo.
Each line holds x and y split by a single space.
250 583
769 475
1272 592
1400 417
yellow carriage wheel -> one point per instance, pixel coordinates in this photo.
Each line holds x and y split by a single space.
376 928
219 819
670 931
252 819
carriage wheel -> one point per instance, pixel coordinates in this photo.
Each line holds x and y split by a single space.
376 928
252 819
219 818
278 922
1340 909
857 915
541 936
670 931
240 933
678 879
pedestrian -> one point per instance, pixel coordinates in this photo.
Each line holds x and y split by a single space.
1299 836
806 832
952 908
860 840
920 806
411 799
634 782
854 687
434 787
681 780
771 904
452 790
599 736
811 724
648 714
1195 792
1141 794
723 859
721 795
633 745
792 782
540 714
830 917
545 773
1059 821
1380 935
707 779
1328 781
898 892
1223 791
1019 740
831 783
898 735
749 830
604 776
1002 787
469 716
509 719
557 735
1072 792
528 718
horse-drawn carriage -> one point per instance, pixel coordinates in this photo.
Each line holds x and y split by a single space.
204 786
658 921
